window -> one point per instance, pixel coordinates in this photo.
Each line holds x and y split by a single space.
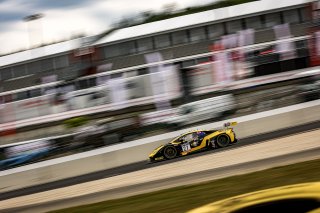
34 67
197 34
61 61
179 37
19 71
83 84
272 19
301 44
22 95
291 16
74 73
5 74
188 137
254 22
304 14
35 93
46 64
92 82
120 49
111 51
116 75
188 63
215 31
203 60
145 44
127 48
234 26
143 71
162 41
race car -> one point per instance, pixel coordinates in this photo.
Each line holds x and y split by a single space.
303 197
195 141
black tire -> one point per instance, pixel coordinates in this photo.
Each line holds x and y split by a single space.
170 152
223 140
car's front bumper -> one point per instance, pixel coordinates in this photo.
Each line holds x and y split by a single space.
153 159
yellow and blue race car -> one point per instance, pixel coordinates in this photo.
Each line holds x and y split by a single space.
195 141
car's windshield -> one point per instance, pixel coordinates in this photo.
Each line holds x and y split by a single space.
183 138
188 137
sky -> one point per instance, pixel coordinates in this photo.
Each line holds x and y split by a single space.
63 19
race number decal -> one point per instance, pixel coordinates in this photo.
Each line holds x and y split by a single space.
185 147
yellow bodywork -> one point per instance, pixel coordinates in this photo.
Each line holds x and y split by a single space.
155 151
299 191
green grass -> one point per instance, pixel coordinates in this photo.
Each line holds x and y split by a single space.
181 199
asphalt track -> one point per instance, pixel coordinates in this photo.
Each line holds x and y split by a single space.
146 165
253 163
267 154
167 183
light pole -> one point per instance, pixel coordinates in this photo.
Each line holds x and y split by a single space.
30 19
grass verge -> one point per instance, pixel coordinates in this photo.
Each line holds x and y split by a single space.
181 199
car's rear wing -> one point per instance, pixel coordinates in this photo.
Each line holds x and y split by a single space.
229 124
225 126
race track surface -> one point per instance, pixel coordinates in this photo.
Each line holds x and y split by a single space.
145 165
246 156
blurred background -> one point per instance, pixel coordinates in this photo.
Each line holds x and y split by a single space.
153 70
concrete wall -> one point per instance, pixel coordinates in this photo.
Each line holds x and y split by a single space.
125 153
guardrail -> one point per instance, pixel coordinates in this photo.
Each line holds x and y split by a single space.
135 151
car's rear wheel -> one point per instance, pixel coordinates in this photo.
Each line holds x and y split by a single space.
223 140
170 152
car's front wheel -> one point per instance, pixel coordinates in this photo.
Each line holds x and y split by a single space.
170 152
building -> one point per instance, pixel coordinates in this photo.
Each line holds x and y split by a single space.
124 48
